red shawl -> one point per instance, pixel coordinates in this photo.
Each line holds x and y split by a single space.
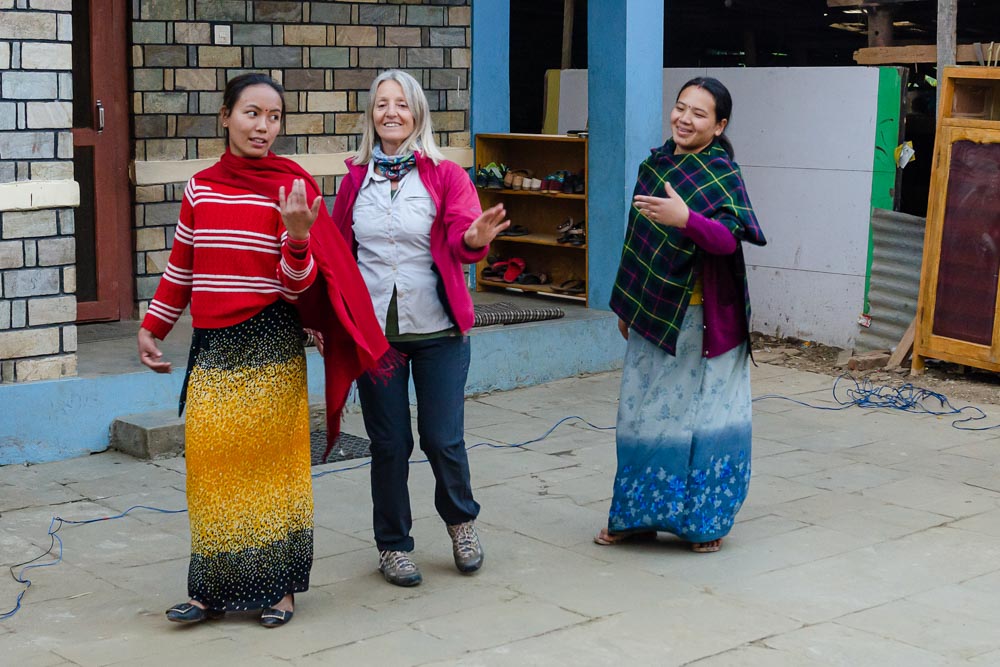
338 304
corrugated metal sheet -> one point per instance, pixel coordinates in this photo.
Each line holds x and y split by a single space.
897 251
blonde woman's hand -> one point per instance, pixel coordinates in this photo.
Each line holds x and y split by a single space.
296 212
485 228
670 210
149 353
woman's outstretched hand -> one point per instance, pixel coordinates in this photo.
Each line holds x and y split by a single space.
485 228
670 210
149 353
296 212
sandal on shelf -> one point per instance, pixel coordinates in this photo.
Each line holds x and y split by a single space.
515 267
494 271
533 184
515 178
533 279
607 538
515 230
574 286
565 225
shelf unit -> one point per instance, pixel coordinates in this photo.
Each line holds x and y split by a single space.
539 212
958 311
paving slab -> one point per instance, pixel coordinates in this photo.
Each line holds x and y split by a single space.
861 529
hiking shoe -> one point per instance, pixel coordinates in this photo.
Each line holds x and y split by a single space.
466 548
397 568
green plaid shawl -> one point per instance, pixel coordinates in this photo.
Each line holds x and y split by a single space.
660 264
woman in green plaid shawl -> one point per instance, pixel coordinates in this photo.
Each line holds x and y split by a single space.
684 426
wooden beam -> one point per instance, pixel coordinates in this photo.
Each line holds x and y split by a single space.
569 10
904 348
905 55
880 26
947 52
847 4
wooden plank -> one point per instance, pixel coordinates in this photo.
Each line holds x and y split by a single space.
905 55
902 350
847 4
567 33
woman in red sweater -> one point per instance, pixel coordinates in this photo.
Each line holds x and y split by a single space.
413 219
242 256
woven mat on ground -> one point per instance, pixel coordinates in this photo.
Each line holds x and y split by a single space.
502 312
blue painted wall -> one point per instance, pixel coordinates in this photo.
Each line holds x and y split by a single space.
625 110
490 87
60 419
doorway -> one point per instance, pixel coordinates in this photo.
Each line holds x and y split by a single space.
101 153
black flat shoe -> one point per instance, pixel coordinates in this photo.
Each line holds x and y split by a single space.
274 618
191 613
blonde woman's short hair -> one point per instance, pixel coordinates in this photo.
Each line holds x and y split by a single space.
422 137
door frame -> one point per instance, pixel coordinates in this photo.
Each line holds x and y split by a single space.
112 152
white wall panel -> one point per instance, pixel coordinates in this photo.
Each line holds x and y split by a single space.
805 139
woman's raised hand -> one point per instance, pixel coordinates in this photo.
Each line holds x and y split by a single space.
670 210
149 353
296 212
485 228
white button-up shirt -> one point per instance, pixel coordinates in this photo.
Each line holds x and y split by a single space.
394 250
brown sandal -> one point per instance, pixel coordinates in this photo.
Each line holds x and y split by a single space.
607 538
709 547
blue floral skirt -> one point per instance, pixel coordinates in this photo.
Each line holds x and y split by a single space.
683 438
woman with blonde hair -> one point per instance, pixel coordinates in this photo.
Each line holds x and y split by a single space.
413 219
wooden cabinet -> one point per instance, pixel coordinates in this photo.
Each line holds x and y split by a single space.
540 213
957 312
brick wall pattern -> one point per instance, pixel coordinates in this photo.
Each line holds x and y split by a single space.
325 54
37 251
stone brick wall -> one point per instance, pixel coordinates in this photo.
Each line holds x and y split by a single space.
326 55
37 251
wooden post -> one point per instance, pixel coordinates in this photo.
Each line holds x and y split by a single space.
880 26
947 12
567 36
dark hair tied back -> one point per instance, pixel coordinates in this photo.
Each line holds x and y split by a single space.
723 105
236 86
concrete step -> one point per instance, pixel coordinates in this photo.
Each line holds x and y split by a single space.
160 434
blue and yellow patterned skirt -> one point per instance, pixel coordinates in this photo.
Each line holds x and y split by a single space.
683 438
249 488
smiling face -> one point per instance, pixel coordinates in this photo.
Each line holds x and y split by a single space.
391 116
693 123
253 121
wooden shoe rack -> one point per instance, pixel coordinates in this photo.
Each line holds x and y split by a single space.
540 212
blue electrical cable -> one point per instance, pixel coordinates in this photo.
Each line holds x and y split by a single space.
906 398
19 578
864 394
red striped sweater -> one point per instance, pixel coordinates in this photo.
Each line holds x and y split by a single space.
230 260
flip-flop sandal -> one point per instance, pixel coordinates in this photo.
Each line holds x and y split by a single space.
533 279
515 266
607 538
569 287
709 547
495 270
515 230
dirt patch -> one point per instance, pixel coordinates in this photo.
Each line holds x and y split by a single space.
960 384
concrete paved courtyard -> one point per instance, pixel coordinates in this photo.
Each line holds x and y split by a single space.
869 538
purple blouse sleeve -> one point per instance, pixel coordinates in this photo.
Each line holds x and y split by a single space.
711 236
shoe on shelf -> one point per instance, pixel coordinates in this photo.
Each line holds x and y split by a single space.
398 569
465 546
185 612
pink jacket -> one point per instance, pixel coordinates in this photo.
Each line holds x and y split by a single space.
457 207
